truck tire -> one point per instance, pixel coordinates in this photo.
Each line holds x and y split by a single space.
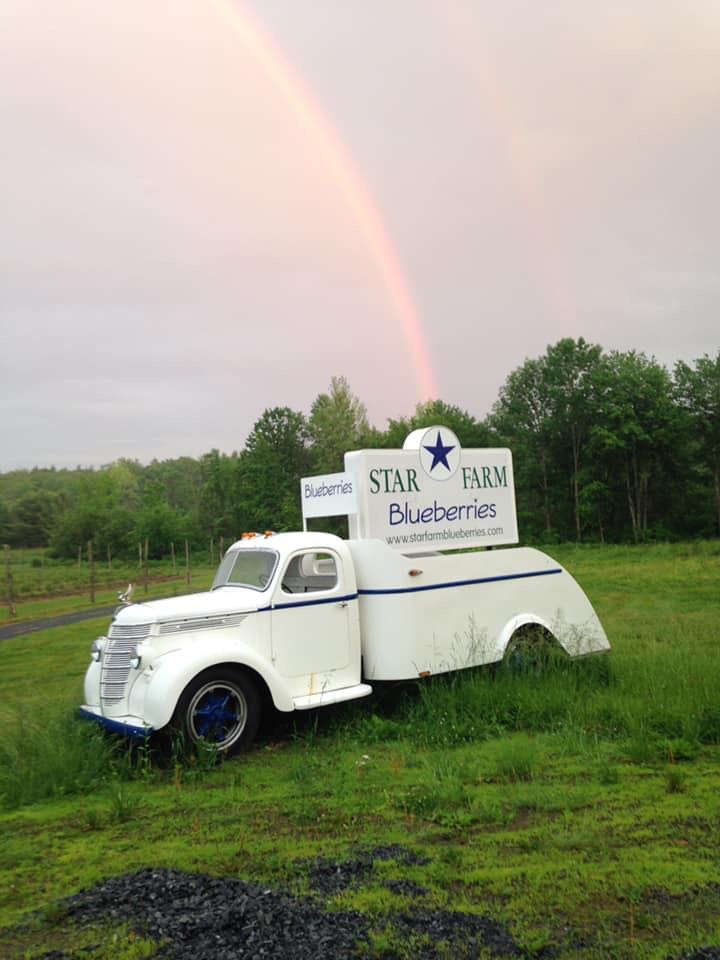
220 708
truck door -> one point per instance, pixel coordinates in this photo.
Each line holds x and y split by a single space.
310 624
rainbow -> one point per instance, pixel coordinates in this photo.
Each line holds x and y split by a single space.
259 46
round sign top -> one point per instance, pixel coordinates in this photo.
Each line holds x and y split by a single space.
439 451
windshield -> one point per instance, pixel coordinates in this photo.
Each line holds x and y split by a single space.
246 568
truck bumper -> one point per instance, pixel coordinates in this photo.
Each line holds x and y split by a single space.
127 726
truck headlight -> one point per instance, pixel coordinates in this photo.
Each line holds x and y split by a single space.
96 648
136 657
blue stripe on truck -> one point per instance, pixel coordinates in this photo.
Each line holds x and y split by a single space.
391 590
308 603
459 583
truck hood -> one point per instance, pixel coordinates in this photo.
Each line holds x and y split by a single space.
220 602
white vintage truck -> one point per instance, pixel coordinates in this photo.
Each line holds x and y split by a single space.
303 620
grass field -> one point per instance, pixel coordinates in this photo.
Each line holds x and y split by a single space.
581 808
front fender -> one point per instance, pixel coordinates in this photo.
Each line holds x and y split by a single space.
170 674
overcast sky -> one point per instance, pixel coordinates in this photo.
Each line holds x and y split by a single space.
182 243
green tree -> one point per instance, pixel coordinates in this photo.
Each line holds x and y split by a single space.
77 525
4 523
697 390
31 519
218 499
157 522
160 525
469 431
338 423
569 368
635 433
522 419
277 454
123 482
182 479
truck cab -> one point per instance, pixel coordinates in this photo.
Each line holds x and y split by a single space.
280 622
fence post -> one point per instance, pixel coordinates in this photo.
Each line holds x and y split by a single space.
145 565
79 557
222 548
187 563
172 554
9 582
91 564
212 552
139 555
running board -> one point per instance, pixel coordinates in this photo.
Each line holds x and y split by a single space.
327 697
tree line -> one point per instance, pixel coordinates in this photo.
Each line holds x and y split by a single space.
608 446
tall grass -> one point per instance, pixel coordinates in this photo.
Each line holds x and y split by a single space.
659 701
657 693
52 755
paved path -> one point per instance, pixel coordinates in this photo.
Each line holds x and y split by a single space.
33 626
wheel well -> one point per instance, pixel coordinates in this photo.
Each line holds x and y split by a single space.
525 626
532 648
534 631
259 681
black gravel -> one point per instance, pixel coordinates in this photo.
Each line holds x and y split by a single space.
471 931
195 916
406 888
704 953
329 877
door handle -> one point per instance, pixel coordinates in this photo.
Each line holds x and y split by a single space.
343 603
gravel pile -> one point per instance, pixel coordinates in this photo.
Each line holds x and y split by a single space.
197 916
704 953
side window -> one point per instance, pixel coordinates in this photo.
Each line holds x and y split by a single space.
310 572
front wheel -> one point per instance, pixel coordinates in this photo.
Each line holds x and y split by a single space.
220 708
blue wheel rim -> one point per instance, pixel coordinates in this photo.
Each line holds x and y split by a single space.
217 714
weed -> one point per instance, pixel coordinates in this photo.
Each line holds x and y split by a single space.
675 780
607 774
124 804
641 748
92 817
515 758
443 795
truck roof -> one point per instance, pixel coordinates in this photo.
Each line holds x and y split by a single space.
288 542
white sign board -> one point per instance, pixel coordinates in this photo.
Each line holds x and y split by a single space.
332 495
433 495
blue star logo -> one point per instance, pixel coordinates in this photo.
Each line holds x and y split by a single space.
439 453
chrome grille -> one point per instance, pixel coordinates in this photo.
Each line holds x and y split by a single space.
115 661
133 631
